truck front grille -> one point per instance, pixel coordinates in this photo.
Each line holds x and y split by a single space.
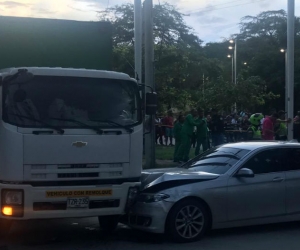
73 171
77 175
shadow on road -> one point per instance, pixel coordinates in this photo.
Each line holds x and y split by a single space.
85 234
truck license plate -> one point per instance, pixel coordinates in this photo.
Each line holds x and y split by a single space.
78 202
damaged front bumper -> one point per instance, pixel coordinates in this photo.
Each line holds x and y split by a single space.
150 217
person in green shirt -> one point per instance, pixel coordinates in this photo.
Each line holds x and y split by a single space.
186 135
201 133
177 135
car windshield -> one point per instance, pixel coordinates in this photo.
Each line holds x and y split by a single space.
216 160
71 102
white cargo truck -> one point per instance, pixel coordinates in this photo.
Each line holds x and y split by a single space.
70 144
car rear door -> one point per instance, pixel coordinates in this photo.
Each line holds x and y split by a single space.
262 195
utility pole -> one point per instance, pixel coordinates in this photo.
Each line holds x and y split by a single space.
138 40
290 63
149 79
286 82
235 70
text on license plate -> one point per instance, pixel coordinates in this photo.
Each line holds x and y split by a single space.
78 202
78 193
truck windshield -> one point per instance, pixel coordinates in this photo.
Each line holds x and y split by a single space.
59 101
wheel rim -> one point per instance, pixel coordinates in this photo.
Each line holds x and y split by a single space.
189 222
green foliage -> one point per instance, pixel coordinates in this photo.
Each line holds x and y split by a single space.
190 74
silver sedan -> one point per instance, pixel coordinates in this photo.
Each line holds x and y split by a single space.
232 185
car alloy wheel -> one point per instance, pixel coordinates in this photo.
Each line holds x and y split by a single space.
187 221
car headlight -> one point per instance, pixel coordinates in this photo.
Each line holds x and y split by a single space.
131 197
148 198
13 197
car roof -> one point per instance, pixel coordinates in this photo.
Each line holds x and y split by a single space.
253 145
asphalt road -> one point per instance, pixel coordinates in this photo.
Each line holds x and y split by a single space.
85 234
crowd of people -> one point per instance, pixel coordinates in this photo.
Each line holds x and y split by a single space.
201 131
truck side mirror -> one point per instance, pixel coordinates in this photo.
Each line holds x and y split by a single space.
151 103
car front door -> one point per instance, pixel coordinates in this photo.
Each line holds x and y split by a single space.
262 195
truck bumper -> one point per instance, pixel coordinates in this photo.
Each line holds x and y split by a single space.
52 202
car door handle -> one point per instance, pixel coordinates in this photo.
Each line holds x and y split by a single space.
278 179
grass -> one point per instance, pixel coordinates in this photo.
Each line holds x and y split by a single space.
164 156
167 152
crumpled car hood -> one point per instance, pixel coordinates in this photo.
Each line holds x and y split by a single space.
155 179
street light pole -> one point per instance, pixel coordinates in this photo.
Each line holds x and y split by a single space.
232 72
235 59
235 65
290 63
232 77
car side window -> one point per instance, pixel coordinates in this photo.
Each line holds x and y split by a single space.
293 159
268 161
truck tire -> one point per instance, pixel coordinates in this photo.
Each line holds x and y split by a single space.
108 223
5 226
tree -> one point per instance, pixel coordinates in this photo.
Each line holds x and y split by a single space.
188 73
179 59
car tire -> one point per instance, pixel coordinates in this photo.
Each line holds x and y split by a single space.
108 223
5 226
187 221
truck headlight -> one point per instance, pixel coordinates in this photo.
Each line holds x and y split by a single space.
13 197
148 198
12 202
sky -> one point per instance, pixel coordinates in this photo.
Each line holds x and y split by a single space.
212 20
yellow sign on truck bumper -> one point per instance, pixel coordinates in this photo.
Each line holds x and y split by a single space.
78 193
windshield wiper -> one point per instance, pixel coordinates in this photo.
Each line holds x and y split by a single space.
130 130
98 130
59 130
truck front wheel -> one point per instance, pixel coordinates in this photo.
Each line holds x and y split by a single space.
108 223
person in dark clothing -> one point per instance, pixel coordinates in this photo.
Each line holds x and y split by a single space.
177 135
229 127
216 128
158 130
245 125
202 133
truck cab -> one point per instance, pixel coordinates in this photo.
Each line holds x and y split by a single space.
70 143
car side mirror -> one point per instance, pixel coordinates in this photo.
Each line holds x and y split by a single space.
245 172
